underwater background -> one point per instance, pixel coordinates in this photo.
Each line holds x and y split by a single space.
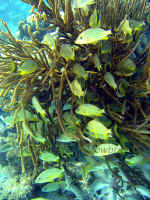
12 12
37 160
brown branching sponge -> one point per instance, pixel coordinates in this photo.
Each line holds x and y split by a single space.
114 11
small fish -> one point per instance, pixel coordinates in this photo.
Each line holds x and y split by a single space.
77 89
136 160
126 68
125 27
137 25
28 67
106 149
92 35
49 157
89 110
50 41
94 20
98 130
39 138
38 107
65 139
82 3
67 52
96 61
109 78
52 187
80 71
49 175
71 120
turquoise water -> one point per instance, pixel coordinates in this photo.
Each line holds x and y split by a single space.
13 11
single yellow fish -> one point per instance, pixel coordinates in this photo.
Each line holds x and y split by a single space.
67 52
49 175
126 68
77 89
80 71
37 106
28 67
109 78
98 130
49 40
106 149
82 3
92 35
89 110
125 27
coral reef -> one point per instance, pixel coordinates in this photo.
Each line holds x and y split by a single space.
76 85
13 187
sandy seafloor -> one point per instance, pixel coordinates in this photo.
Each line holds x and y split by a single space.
13 11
